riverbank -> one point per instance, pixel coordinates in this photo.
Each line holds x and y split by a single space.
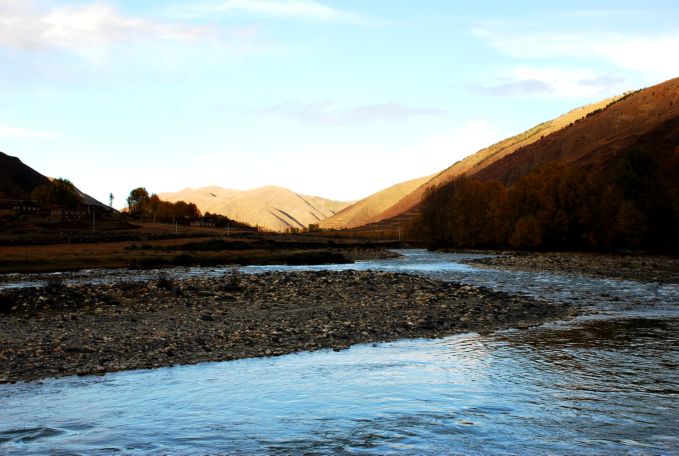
641 268
63 330
192 249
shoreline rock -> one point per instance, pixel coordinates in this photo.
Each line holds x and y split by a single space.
64 330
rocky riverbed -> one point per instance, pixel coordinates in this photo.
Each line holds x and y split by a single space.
642 268
62 329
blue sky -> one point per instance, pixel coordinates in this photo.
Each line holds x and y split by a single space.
334 98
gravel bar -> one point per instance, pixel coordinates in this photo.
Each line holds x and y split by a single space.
61 330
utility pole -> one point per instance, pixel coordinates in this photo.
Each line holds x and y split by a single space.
94 227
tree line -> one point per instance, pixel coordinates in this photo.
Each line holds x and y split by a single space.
147 207
143 206
57 193
634 204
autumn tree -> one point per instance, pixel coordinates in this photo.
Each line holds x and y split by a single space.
632 203
151 207
464 213
58 192
220 220
138 201
646 180
44 195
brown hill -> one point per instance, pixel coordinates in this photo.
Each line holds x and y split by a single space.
274 208
591 136
371 207
405 208
18 180
646 118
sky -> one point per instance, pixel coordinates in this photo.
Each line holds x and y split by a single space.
336 98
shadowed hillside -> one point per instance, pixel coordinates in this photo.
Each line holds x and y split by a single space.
646 118
608 182
17 180
405 208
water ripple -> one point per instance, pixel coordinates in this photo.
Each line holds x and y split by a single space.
605 384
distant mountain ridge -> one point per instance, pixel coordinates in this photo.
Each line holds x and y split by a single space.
271 207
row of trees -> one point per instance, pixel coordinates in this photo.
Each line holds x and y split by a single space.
61 193
222 221
634 205
57 193
143 206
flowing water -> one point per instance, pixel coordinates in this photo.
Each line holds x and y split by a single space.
603 384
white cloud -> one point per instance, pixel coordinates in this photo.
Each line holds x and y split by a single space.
649 53
26 26
21 133
557 82
326 112
306 10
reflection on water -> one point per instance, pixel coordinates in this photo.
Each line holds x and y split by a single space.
604 385
592 388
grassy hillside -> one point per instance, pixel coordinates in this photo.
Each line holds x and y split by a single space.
273 208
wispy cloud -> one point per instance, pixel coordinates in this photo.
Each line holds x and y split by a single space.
327 113
23 133
557 82
654 54
649 52
24 25
305 10
514 87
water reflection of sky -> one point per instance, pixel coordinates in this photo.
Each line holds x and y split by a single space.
604 384
583 388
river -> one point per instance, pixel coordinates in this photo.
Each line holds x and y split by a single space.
606 383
